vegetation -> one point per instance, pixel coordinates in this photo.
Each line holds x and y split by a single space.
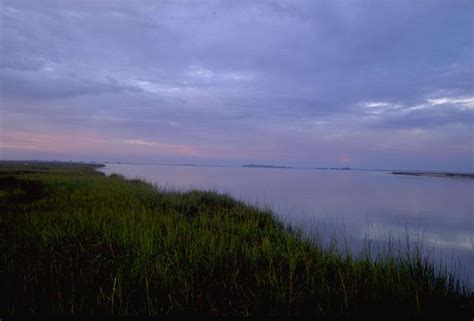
264 166
75 242
436 174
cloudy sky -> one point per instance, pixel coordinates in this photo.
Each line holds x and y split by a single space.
368 84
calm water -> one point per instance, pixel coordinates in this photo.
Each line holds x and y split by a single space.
359 204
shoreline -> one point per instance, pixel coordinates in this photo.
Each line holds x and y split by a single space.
107 245
436 174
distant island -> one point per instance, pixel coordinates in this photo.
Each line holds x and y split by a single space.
263 166
436 174
334 168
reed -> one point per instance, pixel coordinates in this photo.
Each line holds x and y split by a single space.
76 242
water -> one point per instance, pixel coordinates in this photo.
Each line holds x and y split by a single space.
357 204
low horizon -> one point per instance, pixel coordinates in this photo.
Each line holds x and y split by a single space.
360 84
245 164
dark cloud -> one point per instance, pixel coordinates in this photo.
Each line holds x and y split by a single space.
35 85
216 74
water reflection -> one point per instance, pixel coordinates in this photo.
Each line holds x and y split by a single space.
356 204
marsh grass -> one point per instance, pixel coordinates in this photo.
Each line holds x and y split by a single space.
75 242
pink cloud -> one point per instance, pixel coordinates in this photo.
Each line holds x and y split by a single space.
77 143
344 159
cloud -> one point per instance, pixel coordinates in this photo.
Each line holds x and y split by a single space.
50 85
163 147
85 142
218 74
432 113
457 102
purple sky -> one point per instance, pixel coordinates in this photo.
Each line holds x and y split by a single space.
368 84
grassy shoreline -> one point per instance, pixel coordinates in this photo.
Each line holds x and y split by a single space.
76 242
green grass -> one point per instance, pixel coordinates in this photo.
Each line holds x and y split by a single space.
75 242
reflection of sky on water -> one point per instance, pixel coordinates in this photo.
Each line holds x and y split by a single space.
357 204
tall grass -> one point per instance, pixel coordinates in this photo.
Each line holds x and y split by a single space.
75 242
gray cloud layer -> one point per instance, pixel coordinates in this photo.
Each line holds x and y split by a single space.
372 83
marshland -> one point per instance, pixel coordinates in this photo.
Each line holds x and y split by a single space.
76 242
270 159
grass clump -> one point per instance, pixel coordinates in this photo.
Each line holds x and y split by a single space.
75 242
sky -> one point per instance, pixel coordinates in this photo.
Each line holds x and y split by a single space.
365 84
